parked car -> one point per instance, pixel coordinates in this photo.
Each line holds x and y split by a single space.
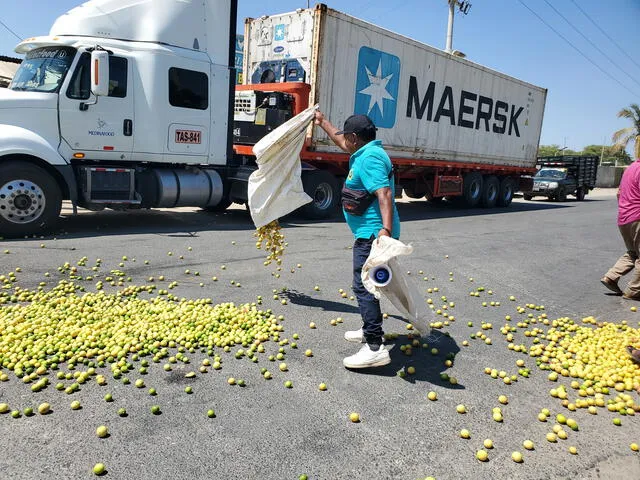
558 177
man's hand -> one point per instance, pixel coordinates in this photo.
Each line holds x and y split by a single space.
383 233
321 121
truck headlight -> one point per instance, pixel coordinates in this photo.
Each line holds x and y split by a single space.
553 184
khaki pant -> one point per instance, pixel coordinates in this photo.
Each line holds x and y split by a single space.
630 260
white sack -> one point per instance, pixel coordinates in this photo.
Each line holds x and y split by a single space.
404 295
275 189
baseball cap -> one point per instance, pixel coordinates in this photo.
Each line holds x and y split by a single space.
357 124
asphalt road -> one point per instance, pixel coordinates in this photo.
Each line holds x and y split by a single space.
550 254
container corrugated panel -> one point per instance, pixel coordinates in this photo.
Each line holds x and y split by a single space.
426 103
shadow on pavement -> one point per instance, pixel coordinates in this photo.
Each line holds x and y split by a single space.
429 368
189 222
304 300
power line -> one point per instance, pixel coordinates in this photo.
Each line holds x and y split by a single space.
592 44
11 31
579 51
606 34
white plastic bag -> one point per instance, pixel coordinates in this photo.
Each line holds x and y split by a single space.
403 294
275 189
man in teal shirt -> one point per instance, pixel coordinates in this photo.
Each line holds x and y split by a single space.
370 170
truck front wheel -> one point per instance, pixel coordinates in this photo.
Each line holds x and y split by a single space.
322 187
472 189
580 194
30 199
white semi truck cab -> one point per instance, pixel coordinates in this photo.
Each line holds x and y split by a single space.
125 104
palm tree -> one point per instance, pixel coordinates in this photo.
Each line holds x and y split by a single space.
622 137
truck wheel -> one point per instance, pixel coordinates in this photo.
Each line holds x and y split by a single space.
490 190
30 199
527 197
220 207
505 195
561 196
414 192
434 200
322 187
580 194
472 189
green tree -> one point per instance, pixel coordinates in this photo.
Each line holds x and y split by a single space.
624 136
610 154
548 150
553 150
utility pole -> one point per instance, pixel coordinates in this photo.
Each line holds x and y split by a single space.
464 7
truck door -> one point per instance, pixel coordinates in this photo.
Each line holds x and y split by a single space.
106 128
189 113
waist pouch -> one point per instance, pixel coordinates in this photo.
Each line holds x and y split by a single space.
356 202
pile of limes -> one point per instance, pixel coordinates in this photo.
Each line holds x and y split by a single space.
596 355
40 330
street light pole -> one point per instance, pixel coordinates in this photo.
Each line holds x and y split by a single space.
452 11
464 7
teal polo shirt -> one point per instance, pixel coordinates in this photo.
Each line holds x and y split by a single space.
369 169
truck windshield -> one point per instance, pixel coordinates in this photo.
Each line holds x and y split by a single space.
551 173
43 69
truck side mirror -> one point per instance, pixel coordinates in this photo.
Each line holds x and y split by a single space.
100 73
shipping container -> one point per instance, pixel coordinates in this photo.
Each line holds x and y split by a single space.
439 116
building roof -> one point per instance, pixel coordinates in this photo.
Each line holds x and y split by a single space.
10 59
8 68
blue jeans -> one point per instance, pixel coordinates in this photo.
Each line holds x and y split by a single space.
368 304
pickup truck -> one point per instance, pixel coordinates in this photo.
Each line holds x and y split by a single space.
558 177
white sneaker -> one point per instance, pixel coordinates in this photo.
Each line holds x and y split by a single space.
368 358
355 336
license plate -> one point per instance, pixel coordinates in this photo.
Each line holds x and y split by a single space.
188 136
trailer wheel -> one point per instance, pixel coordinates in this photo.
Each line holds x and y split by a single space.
322 187
580 194
30 199
505 195
490 190
472 189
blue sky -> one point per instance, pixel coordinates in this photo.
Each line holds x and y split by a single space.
582 101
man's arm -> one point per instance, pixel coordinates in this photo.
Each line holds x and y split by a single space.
385 200
331 130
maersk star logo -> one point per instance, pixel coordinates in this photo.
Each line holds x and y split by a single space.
278 33
377 86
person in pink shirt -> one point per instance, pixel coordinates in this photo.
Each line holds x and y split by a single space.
629 225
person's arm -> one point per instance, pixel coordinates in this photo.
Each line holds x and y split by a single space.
331 130
385 200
